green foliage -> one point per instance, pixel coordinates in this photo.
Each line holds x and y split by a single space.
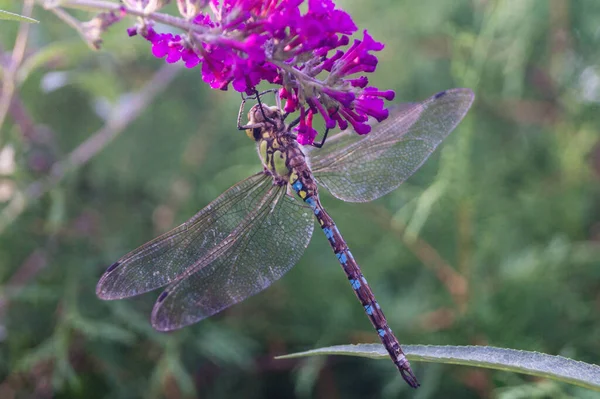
493 242
532 363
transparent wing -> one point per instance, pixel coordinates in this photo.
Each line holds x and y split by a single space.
261 249
362 168
167 258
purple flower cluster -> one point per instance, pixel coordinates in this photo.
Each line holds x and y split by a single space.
244 42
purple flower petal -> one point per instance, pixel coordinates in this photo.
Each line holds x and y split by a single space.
160 49
245 42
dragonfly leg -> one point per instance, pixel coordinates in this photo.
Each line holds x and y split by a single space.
262 111
297 120
319 145
292 123
262 93
239 118
256 96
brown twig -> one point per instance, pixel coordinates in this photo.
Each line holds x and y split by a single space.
121 117
10 73
73 23
25 273
200 33
20 117
99 5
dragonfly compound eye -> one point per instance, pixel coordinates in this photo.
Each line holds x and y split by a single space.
254 134
258 115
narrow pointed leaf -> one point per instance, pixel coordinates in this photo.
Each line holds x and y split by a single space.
533 363
16 17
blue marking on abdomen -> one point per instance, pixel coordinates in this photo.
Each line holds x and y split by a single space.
328 234
342 258
311 202
297 186
369 309
381 332
355 283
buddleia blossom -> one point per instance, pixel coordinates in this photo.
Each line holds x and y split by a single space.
244 42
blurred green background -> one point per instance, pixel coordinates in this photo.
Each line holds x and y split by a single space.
493 242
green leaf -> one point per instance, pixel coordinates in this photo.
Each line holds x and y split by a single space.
44 351
95 330
16 17
533 363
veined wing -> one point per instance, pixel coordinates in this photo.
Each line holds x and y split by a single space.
362 168
167 258
261 249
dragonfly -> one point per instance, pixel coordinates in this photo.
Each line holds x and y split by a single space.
257 230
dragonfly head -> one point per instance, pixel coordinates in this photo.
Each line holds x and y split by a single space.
271 112
269 116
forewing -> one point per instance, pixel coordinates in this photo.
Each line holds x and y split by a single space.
358 168
171 256
259 251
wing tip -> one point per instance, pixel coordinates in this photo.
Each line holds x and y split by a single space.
106 295
459 90
161 326
102 291
467 93
159 323
462 97
440 94
157 318
112 267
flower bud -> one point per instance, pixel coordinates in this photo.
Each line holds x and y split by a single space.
146 6
189 9
93 29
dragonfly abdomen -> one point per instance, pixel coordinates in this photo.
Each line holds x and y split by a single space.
355 277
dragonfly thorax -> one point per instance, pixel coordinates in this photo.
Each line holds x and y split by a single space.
280 153
256 117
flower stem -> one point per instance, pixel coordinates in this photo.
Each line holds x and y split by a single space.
100 5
